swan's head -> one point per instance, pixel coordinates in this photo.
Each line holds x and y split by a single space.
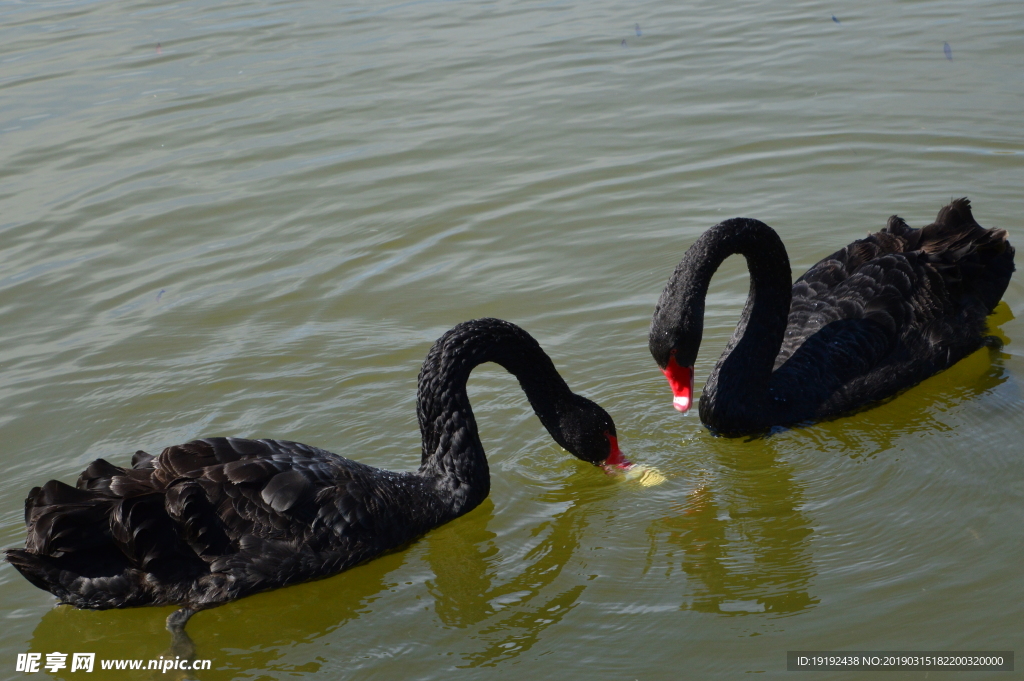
678 372
588 433
675 337
680 379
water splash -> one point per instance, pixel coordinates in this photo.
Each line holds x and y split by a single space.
647 476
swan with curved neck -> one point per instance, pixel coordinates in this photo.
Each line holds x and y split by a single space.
868 321
217 519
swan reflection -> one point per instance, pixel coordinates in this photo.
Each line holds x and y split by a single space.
509 595
742 539
267 631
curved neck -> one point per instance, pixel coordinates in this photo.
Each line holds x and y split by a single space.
452 451
740 379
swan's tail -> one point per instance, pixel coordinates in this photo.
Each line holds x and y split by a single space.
972 260
69 551
41 571
96 546
981 259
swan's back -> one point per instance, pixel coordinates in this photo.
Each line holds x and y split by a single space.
892 309
213 520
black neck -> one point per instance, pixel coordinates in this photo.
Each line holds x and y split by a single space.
740 378
452 451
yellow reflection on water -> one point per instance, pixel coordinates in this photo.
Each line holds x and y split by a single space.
742 539
254 633
509 614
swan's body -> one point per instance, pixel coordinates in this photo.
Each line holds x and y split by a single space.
217 519
874 318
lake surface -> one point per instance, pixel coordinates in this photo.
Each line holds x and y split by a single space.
254 218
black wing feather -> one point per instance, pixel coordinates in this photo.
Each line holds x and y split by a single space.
892 309
208 521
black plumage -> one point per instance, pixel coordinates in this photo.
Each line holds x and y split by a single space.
217 519
873 318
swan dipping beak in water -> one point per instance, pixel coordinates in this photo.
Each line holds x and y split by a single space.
218 519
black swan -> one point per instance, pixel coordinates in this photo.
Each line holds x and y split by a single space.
874 318
217 519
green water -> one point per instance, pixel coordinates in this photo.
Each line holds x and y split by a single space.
258 229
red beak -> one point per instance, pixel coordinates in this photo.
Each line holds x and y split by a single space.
680 378
615 458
